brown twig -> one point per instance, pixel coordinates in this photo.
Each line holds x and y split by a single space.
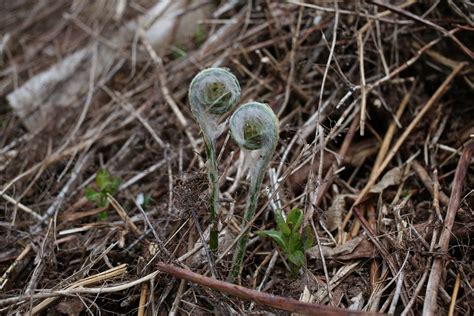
143 297
363 103
432 101
415 17
5 277
278 302
457 284
428 182
391 131
342 153
429 308
123 215
286 53
109 274
410 61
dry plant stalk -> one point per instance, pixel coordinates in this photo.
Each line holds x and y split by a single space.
106 275
427 106
430 306
279 302
326 68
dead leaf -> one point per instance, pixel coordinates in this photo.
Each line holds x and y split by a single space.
360 151
299 178
357 302
306 297
333 215
70 307
392 177
356 248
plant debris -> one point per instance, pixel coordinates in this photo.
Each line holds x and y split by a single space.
374 102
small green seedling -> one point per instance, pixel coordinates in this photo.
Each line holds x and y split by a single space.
199 35
179 51
288 236
106 184
103 216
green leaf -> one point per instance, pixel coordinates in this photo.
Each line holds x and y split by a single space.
308 237
199 35
102 179
282 225
113 185
297 257
91 194
102 200
179 51
295 218
294 242
103 216
277 236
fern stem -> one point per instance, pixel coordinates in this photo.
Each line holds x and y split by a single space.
212 93
213 177
254 127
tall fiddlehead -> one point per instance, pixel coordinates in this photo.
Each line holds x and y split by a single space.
254 127
212 93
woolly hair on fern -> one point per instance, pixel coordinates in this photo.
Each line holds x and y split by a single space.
255 128
212 93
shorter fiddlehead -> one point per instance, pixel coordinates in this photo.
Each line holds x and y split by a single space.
212 93
254 127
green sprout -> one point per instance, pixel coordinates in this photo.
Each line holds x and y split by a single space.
199 35
103 216
288 236
106 184
254 127
179 51
213 93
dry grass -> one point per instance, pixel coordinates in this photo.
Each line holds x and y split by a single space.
375 106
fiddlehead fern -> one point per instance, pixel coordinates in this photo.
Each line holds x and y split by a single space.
254 127
212 93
